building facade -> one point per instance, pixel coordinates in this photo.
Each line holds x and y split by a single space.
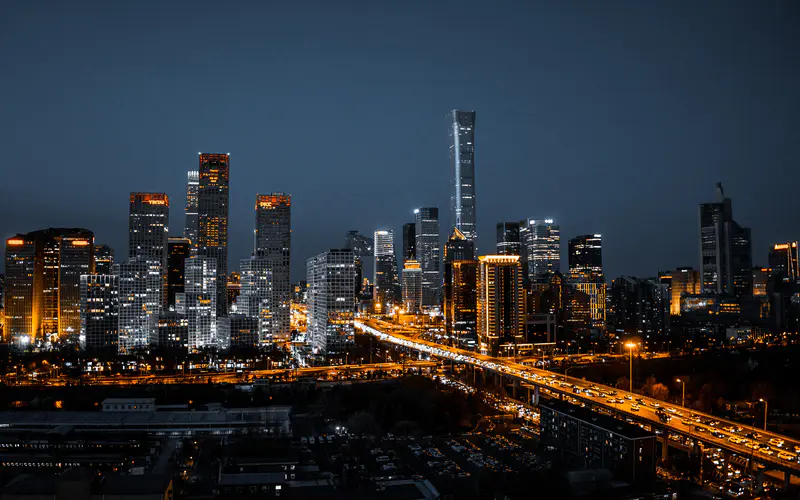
178 250
274 243
586 258
501 304
508 242
386 284
139 305
783 260
256 295
212 218
461 129
103 259
685 281
460 288
191 223
410 241
148 233
200 299
428 254
99 313
412 287
540 249
331 305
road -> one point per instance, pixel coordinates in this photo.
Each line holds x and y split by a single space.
695 425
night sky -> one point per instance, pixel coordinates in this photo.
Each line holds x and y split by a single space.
610 117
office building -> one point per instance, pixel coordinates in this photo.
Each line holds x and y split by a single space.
139 305
148 232
103 259
591 440
409 241
412 287
586 258
191 223
685 281
639 307
783 260
99 313
173 330
461 128
540 249
761 277
331 305
256 295
244 331
42 290
724 249
234 288
200 298
428 255
501 304
361 247
212 218
386 283
273 243
178 250
460 287
508 242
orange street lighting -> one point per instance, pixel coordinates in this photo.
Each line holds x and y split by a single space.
683 392
765 411
630 346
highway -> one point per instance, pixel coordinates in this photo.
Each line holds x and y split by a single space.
742 440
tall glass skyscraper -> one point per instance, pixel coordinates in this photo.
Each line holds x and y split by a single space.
212 217
274 243
148 232
139 305
103 259
99 312
200 296
331 305
428 254
190 222
540 249
179 251
508 238
386 285
586 258
462 161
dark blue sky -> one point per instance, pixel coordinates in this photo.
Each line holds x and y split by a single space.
611 117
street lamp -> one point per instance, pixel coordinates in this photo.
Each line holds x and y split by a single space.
630 346
765 411
683 392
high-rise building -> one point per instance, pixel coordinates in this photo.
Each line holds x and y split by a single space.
501 305
508 242
586 258
99 313
139 305
178 250
191 224
761 277
244 331
428 255
103 259
42 296
273 243
331 305
783 260
212 217
540 249
386 283
460 287
256 295
409 241
200 298
412 287
639 307
361 247
234 288
725 251
148 234
173 328
461 128
685 280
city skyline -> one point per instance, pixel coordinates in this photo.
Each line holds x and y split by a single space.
673 129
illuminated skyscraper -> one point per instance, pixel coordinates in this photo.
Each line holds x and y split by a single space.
586 258
234 288
409 241
212 217
139 305
103 259
361 247
508 238
386 284
428 255
460 287
256 295
273 243
148 233
685 280
179 249
191 217
22 303
331 305
200 298
783 260
761 277
461 128
76 259
724 249
540 249
412 287
99 313
501 305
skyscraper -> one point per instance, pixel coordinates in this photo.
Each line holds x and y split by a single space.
22 300
191 217
412 287
409 241
178 250
386 284
103 259
273 243
148 233
540 249
501 305
99 313
462 161
586 258
783 260
460 287
331 305
427 250
685 280
508 238
361 247
256 295
724 249
139 305
75 260
200 297
212 217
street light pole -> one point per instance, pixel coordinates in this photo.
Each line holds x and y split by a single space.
683 393
630 347
765 412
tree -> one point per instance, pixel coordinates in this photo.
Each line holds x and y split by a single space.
623 383
659 391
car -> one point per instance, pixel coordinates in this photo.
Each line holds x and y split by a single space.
655 405
697 428
671 410
766 451
635 407
776 442
787 456
718 434
735 440
751 445
686 421
628 397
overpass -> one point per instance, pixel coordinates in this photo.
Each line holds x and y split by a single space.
761 446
